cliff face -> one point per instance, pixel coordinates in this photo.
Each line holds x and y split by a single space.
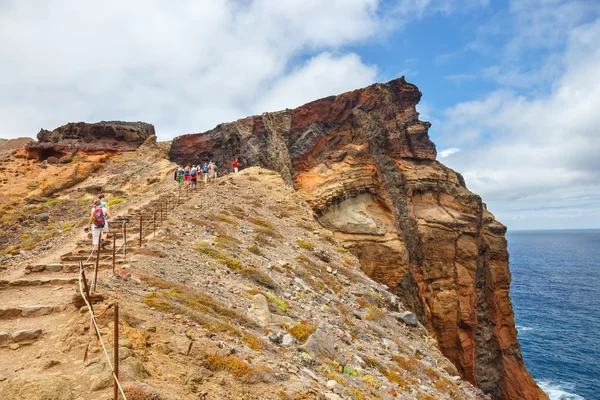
111 136
365 164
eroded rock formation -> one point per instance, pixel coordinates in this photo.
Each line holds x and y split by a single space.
365 164
105 136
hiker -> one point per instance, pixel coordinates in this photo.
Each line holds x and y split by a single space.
105 230
210 170
180 175
235 165
205 173
98 219
186 175
194 177
214 169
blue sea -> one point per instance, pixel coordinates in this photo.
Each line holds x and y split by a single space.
556 299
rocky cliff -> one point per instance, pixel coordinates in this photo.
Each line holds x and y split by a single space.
365 164
105 136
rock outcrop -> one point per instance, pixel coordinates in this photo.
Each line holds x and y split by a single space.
105 136
365 164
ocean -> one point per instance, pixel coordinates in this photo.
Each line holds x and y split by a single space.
555 292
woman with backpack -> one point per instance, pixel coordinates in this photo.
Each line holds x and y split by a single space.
98 219
186 176
194 177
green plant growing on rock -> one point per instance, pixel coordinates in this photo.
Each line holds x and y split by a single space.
304 245
349 371
280 303
116 200
51 202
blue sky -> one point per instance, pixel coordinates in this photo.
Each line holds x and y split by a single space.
512 87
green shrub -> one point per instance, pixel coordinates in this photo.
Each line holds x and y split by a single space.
115 201
304 245
280 303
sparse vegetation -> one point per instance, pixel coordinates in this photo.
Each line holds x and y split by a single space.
304 245
270 232
215 254
301 331
260 222
239 368
227 220
280 303
51 202
255 250
116 200
136 391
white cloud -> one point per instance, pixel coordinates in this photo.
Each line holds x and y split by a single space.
448 152
523 154
305 83
184 66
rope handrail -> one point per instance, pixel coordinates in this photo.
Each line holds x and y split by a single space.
97 329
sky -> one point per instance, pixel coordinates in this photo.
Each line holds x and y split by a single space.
512 88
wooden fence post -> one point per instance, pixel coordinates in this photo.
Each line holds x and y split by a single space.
116 351
141 221
114 250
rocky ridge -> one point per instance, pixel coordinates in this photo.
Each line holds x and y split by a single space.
240 295
106 137
364 163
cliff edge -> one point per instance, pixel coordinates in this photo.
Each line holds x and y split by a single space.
365 164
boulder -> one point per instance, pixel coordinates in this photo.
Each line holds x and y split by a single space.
408 318
260 310
26 335
320 344
36 386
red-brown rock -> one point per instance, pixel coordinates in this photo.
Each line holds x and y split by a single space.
110 136
365 164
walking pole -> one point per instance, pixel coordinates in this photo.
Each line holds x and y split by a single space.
116 351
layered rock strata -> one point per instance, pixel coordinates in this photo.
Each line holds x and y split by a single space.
364 162
105 136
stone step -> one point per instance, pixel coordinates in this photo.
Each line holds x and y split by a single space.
92 259
39 282
18 338
72 267
29 311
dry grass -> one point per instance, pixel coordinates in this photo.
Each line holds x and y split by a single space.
270 232
255 250
216 255
301 331
227 220
304 245
136 391
240 369
260 222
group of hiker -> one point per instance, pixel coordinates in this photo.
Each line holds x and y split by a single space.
189 175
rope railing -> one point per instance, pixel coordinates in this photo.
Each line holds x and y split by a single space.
84 289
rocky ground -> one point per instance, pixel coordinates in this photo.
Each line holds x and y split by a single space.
241 295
